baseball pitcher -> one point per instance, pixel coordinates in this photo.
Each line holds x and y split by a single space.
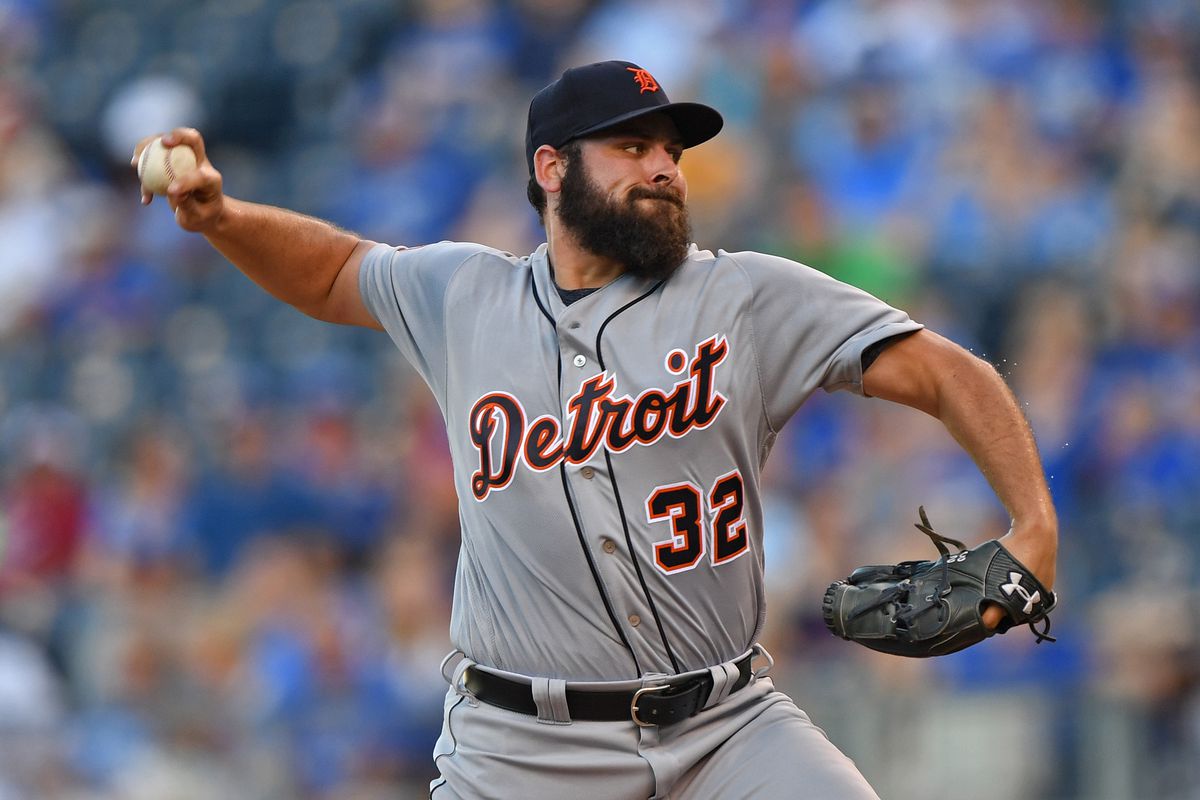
610 401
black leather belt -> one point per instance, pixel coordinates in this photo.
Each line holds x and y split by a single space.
649 705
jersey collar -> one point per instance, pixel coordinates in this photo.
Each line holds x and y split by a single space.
599 304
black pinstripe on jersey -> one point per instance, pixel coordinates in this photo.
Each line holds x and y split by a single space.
562 468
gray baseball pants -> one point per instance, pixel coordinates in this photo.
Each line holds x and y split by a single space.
753 744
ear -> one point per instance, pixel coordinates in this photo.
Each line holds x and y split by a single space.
549 167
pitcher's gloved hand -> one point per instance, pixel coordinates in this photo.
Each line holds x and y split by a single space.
931 608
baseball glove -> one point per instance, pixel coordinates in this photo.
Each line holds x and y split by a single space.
931 608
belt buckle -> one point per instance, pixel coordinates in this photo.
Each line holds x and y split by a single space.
633 705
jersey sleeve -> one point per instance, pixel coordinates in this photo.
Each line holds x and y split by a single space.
405 289
811 331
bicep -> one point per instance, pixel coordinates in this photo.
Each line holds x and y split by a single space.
914 370
345 304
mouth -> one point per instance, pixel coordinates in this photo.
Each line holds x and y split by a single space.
674 200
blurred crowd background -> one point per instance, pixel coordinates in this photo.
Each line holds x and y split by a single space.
227 531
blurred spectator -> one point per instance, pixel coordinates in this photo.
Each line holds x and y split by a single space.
349 502
140 510
43 499
244 498
32 713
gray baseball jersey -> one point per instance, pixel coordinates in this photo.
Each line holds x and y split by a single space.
607 453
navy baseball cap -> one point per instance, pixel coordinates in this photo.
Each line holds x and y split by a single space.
588 99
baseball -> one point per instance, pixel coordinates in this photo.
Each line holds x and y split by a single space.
159 165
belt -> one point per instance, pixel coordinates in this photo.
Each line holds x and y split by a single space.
649 705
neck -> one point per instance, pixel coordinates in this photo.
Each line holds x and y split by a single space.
575 267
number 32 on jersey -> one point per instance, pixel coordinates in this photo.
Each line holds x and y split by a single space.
689 512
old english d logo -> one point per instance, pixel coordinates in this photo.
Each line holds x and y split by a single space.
644 80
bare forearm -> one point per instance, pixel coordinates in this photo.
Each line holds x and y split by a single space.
968 396
980 412
303 261
294 257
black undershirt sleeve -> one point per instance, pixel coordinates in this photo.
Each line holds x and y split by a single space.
872 351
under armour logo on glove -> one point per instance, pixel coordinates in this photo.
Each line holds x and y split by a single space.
1031 600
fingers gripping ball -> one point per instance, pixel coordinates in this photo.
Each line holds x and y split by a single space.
159 165
931 608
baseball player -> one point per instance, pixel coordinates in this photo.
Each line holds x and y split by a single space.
610 401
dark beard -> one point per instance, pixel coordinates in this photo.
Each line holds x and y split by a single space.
649 242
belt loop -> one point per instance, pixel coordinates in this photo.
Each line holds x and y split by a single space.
459 681
447 674
550 697
759 650
723 676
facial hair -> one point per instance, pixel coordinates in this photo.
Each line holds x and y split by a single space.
649 239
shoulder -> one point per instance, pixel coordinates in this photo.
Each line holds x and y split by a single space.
443 264
764 266
754 270
449 255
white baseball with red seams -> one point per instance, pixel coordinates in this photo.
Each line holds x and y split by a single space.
159 165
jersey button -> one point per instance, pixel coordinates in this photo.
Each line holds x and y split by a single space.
588 473
579 360
609 546
635 620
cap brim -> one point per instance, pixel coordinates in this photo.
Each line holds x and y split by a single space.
696 122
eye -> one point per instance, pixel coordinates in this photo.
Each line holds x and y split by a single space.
676 153
634 149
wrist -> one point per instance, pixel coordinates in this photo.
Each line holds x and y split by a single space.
224 219
1034 543
1039 528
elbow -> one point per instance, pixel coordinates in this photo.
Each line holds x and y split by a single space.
317 302
318 308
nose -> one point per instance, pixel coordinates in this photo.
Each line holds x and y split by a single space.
665 168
